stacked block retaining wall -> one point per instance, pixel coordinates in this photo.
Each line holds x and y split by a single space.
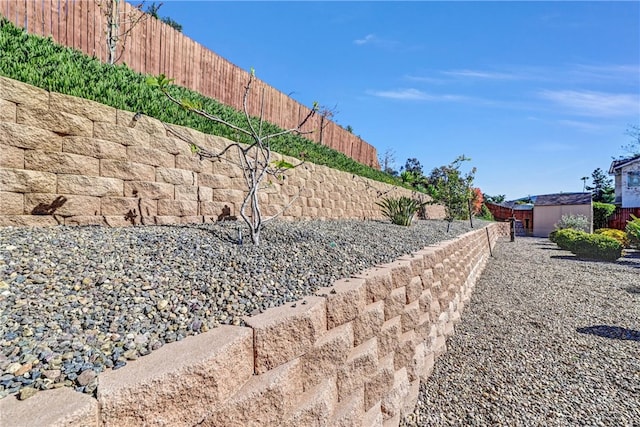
71 161
352 355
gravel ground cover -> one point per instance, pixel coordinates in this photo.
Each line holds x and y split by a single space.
546 340
77 300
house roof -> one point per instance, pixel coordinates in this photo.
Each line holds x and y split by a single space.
617 164
563 199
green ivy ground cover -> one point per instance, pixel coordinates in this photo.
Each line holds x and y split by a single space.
41 62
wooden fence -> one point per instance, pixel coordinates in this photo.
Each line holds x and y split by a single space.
619 218
502 213
153 47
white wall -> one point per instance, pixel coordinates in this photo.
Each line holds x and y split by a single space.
630 195
545 217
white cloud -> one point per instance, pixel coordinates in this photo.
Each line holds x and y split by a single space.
476 74
412 94
590 103
369 38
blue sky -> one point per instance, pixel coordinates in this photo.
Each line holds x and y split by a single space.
537 94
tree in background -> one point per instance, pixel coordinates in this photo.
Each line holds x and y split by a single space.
477 200
601 188
634 146
447 185
254 159
326 115
153 9
494 199
387 162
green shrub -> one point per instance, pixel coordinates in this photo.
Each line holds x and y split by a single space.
597 246
601 214
401 210
633 231
566 237
619 235
41 62
575 222
485 213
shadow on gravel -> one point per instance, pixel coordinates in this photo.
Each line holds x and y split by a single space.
633 262
613 332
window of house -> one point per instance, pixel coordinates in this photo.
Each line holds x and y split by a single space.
633 179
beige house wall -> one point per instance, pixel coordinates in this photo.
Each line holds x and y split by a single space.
353 355
70 161
545 217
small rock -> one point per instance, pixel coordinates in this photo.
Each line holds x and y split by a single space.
26 393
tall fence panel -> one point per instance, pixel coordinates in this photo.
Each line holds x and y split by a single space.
620 216
153 47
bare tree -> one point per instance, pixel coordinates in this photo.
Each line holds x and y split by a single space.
116 20
326 114
388 161
254 159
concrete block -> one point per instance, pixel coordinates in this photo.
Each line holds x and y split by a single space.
61 407
346 299
12 203
150 156
350 411
58 204
284 333
8 111
405 350
12 157
177 207
28 221
178 384
92 147
175 176
410 316
379 283
120 134
373 417
22 93
380 383
57 162
29 137
315 407
389 336
358 368
141 122
228 195
149 190
82 107
27 181
327 354
369 322
414 289
214 181
394 303
194 163
125 170
186 192
393 402
55 121
90 185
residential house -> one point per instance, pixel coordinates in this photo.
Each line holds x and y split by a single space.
627 178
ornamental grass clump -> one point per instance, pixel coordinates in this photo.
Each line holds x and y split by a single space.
400 211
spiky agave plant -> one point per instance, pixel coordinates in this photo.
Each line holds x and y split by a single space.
400 211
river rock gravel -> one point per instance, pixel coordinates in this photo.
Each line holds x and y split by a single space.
546 340
75 301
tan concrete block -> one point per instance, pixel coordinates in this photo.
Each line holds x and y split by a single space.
394 303
165 220
410 316
380 383
82 107
214 209
314 407
223 167
150 156
12 203
26 181
119 221
141 122
369 322
412 398
314 202
11 157
193 162
28 221
120 134
310 213
424 326
406 349
414 289
228 195
402 273
127 206
177 207
186 192
263 400
192 219
22 93
214 181
393 421
93 147
185 134
175 176
373 417
216 144
425 300
346 299
148 190
359 367
350 411
181 382
29 137
389 336
56 162
205 194
172 146
393 402
419 367
328 352
90 185
8 111
55 121
55 408
63 205
379 283
286 332
83 220
125 170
